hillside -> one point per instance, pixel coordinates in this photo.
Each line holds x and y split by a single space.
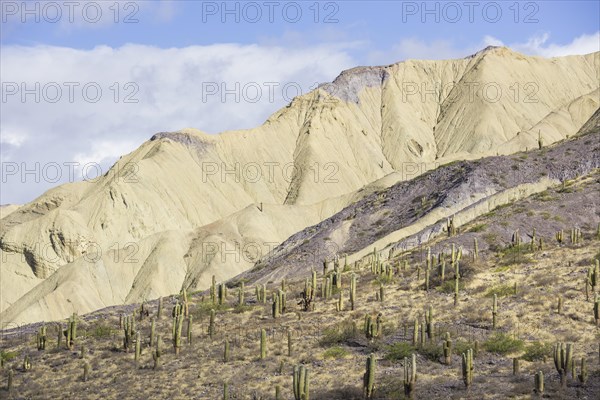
541 300
141 231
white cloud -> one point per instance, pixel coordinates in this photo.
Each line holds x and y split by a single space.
170 86
538 45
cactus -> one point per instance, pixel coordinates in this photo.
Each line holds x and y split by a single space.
301 383
59 331
427 279
241 294
277 392
340 303
128 326
189 329
41 338
475 249
71 332
211 324
352 291
442 270
177 328
26 363
86 371
450 228
456 286
213 290
447 346
381 293
559 306
540 140
539 383
289 342
226 351
157 353
467 367
9 383
410 376
584 372
82 351
563 357
597 311
225 391
152 332
160 308
415 339
559 236
138 347
516 367
263 344
369 377
429 322
494 311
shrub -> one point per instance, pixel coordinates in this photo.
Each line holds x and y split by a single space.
335 352
339 333
431 351
501 291
101 331
502 343
478 228
398 351
536 351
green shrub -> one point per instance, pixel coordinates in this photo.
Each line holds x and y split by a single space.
536 351
461 346
502 343
431 351
8 355
478 228
398 351
339 333
448 285
501 291
101 331
335 352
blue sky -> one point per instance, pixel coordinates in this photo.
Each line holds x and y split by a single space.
157 62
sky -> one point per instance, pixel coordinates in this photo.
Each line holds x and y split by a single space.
85 82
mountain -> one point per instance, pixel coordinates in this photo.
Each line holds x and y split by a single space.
186 205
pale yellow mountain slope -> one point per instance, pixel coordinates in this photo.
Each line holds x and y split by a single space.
164 201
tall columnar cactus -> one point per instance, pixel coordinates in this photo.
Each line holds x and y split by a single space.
381 293
263 344
442 269
26 363
41 338
213 290
241 295
559 236
313 281
475 249
71 332
211 324
429 324
494 311
410 376
160 308
467 367
540 141
128 329
456 287
340 303
516 366
583 373
177 328
597 311
427 279
86 371
559 305
415 338
189 329
539 383
369 377
516 238
222 293
9 383
289 342
447 346
225 391
157 353
563 357
352 291
138 347
152 332
450 228
301 383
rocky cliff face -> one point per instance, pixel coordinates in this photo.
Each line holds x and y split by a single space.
142 230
